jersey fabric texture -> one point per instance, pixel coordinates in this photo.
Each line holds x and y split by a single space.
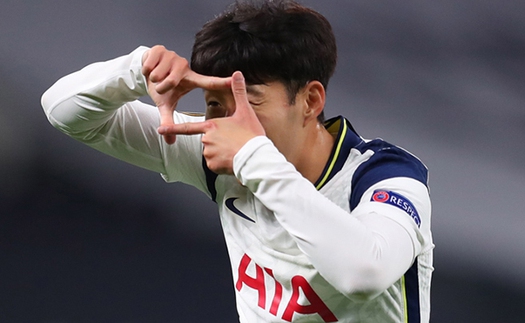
299 252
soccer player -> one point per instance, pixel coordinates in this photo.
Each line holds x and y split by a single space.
321 225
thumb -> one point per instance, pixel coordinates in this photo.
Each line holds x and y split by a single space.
243 109
238 84
166 119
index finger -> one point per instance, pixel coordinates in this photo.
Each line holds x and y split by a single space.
208 82
188 128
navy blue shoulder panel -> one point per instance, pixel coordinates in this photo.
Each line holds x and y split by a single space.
387 162
211 177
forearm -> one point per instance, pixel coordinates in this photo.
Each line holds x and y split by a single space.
361 254
82 101
97 106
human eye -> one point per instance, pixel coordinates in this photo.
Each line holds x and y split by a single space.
254 100
213 104
214 109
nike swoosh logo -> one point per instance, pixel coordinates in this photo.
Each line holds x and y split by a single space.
231 207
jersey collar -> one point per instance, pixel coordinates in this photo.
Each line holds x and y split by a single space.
346 138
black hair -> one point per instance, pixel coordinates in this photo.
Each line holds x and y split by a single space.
269 40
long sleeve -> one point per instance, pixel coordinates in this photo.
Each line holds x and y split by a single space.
360 253
98 105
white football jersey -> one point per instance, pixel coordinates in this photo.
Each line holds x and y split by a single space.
297 249
276 282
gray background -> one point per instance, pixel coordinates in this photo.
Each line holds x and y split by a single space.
85 238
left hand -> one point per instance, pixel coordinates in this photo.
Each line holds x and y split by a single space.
224 137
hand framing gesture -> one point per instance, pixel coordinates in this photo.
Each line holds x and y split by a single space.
169 78
223 137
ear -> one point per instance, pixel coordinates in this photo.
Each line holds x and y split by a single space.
315 98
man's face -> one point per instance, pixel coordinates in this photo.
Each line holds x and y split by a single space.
271 105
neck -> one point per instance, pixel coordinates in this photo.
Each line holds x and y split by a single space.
311 162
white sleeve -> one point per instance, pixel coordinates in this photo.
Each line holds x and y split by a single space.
361 254
99 106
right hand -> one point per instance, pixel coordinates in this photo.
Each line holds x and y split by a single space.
224 137
169 77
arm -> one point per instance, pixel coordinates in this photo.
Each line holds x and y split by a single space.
361 253
98 106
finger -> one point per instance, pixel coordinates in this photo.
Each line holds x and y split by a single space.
167 73
166 119
238 86
150 59
208 82
170 139
146 68
171 73
166 115
147 63
188 128
243 109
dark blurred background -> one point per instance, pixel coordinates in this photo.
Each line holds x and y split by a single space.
85 238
